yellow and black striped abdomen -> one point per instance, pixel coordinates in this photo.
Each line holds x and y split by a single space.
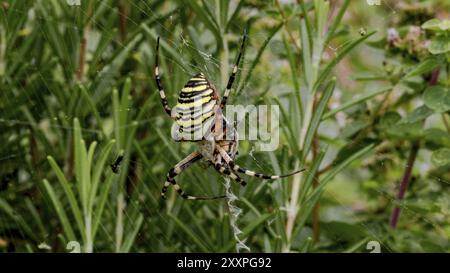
195 109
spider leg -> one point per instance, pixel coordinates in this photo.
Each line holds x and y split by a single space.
162 94
233 74
181 166
240 169
226 171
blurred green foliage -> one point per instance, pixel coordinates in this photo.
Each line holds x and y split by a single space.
357 85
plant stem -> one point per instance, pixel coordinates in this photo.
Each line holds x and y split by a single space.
410 163
405 181
293 203
88 225
434 76
292 210
82 58
123 15
83 45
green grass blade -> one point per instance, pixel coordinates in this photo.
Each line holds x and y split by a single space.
336 21
129 240
36 217
424 67
98 169
174 56
232 18
258 57
307 246
85 176
204 14
317 116
345 50
90 154
356 246
307 29
105 189
77 159
60 211
310 175
188 232
4 205
69 194
306 54
355 101
91 104
116 118
357 155
124 108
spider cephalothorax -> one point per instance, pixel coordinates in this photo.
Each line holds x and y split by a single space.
198 117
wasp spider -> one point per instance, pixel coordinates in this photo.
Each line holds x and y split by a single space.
198 117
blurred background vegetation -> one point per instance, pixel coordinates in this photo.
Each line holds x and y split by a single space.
365 100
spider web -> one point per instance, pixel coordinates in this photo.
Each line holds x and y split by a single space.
182 44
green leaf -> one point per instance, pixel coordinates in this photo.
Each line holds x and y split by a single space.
441 157
354 127
424 67
306 247
36 217
419 114
204 15
258 57
101 204
231 20
310 175
314 196
388 120
337 20
437 137
91 104
318 112
99 168
69 193
355 101
124 109
357 246
439 44
432 24
60 211
342 165
189 232
437 98
436 25
445 25
306 52
129 240
352 147
411 131
344 232
12 213
341 54
77 159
